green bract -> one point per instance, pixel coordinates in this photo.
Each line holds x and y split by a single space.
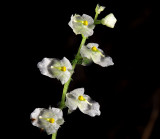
47 119
92 52
82 24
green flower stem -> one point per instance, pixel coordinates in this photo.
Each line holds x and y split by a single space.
66 85
54 135
96 16
97 22
74 63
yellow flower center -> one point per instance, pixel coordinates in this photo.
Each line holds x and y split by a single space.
51 120
94 48
85 23
63 68
81 98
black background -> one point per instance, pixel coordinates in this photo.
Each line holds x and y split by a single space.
125 91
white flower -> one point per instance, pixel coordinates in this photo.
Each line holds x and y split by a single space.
109 20
92 52
77 98
82 24
54 68
99 9
47 119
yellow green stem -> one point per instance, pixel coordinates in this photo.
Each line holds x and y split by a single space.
66 85
54 135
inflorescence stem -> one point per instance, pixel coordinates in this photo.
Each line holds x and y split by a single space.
74 63
66 85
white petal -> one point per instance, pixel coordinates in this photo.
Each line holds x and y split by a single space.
85 52
60 121
91 110
43 67
56 73
96 57
70 22
71 102
65 62
83 106
35 115
105 62
58 113
87 32
51 128
64 76
88 18
77 92
90 45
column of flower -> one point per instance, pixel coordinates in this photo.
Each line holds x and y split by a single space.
51 119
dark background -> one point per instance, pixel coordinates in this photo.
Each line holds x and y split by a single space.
128 92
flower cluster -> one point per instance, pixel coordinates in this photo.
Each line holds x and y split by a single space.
51 119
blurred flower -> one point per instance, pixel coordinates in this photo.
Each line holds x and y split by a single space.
109 20
92 52
77 98
54 68
99 9
47 119
82 24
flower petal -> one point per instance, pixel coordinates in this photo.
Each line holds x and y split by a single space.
64 76
87 32
85 52
35 115
65 62
43 67
57 112
96 57
77 92
71 102
88 18
90 45
91 110
105 62
51 128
